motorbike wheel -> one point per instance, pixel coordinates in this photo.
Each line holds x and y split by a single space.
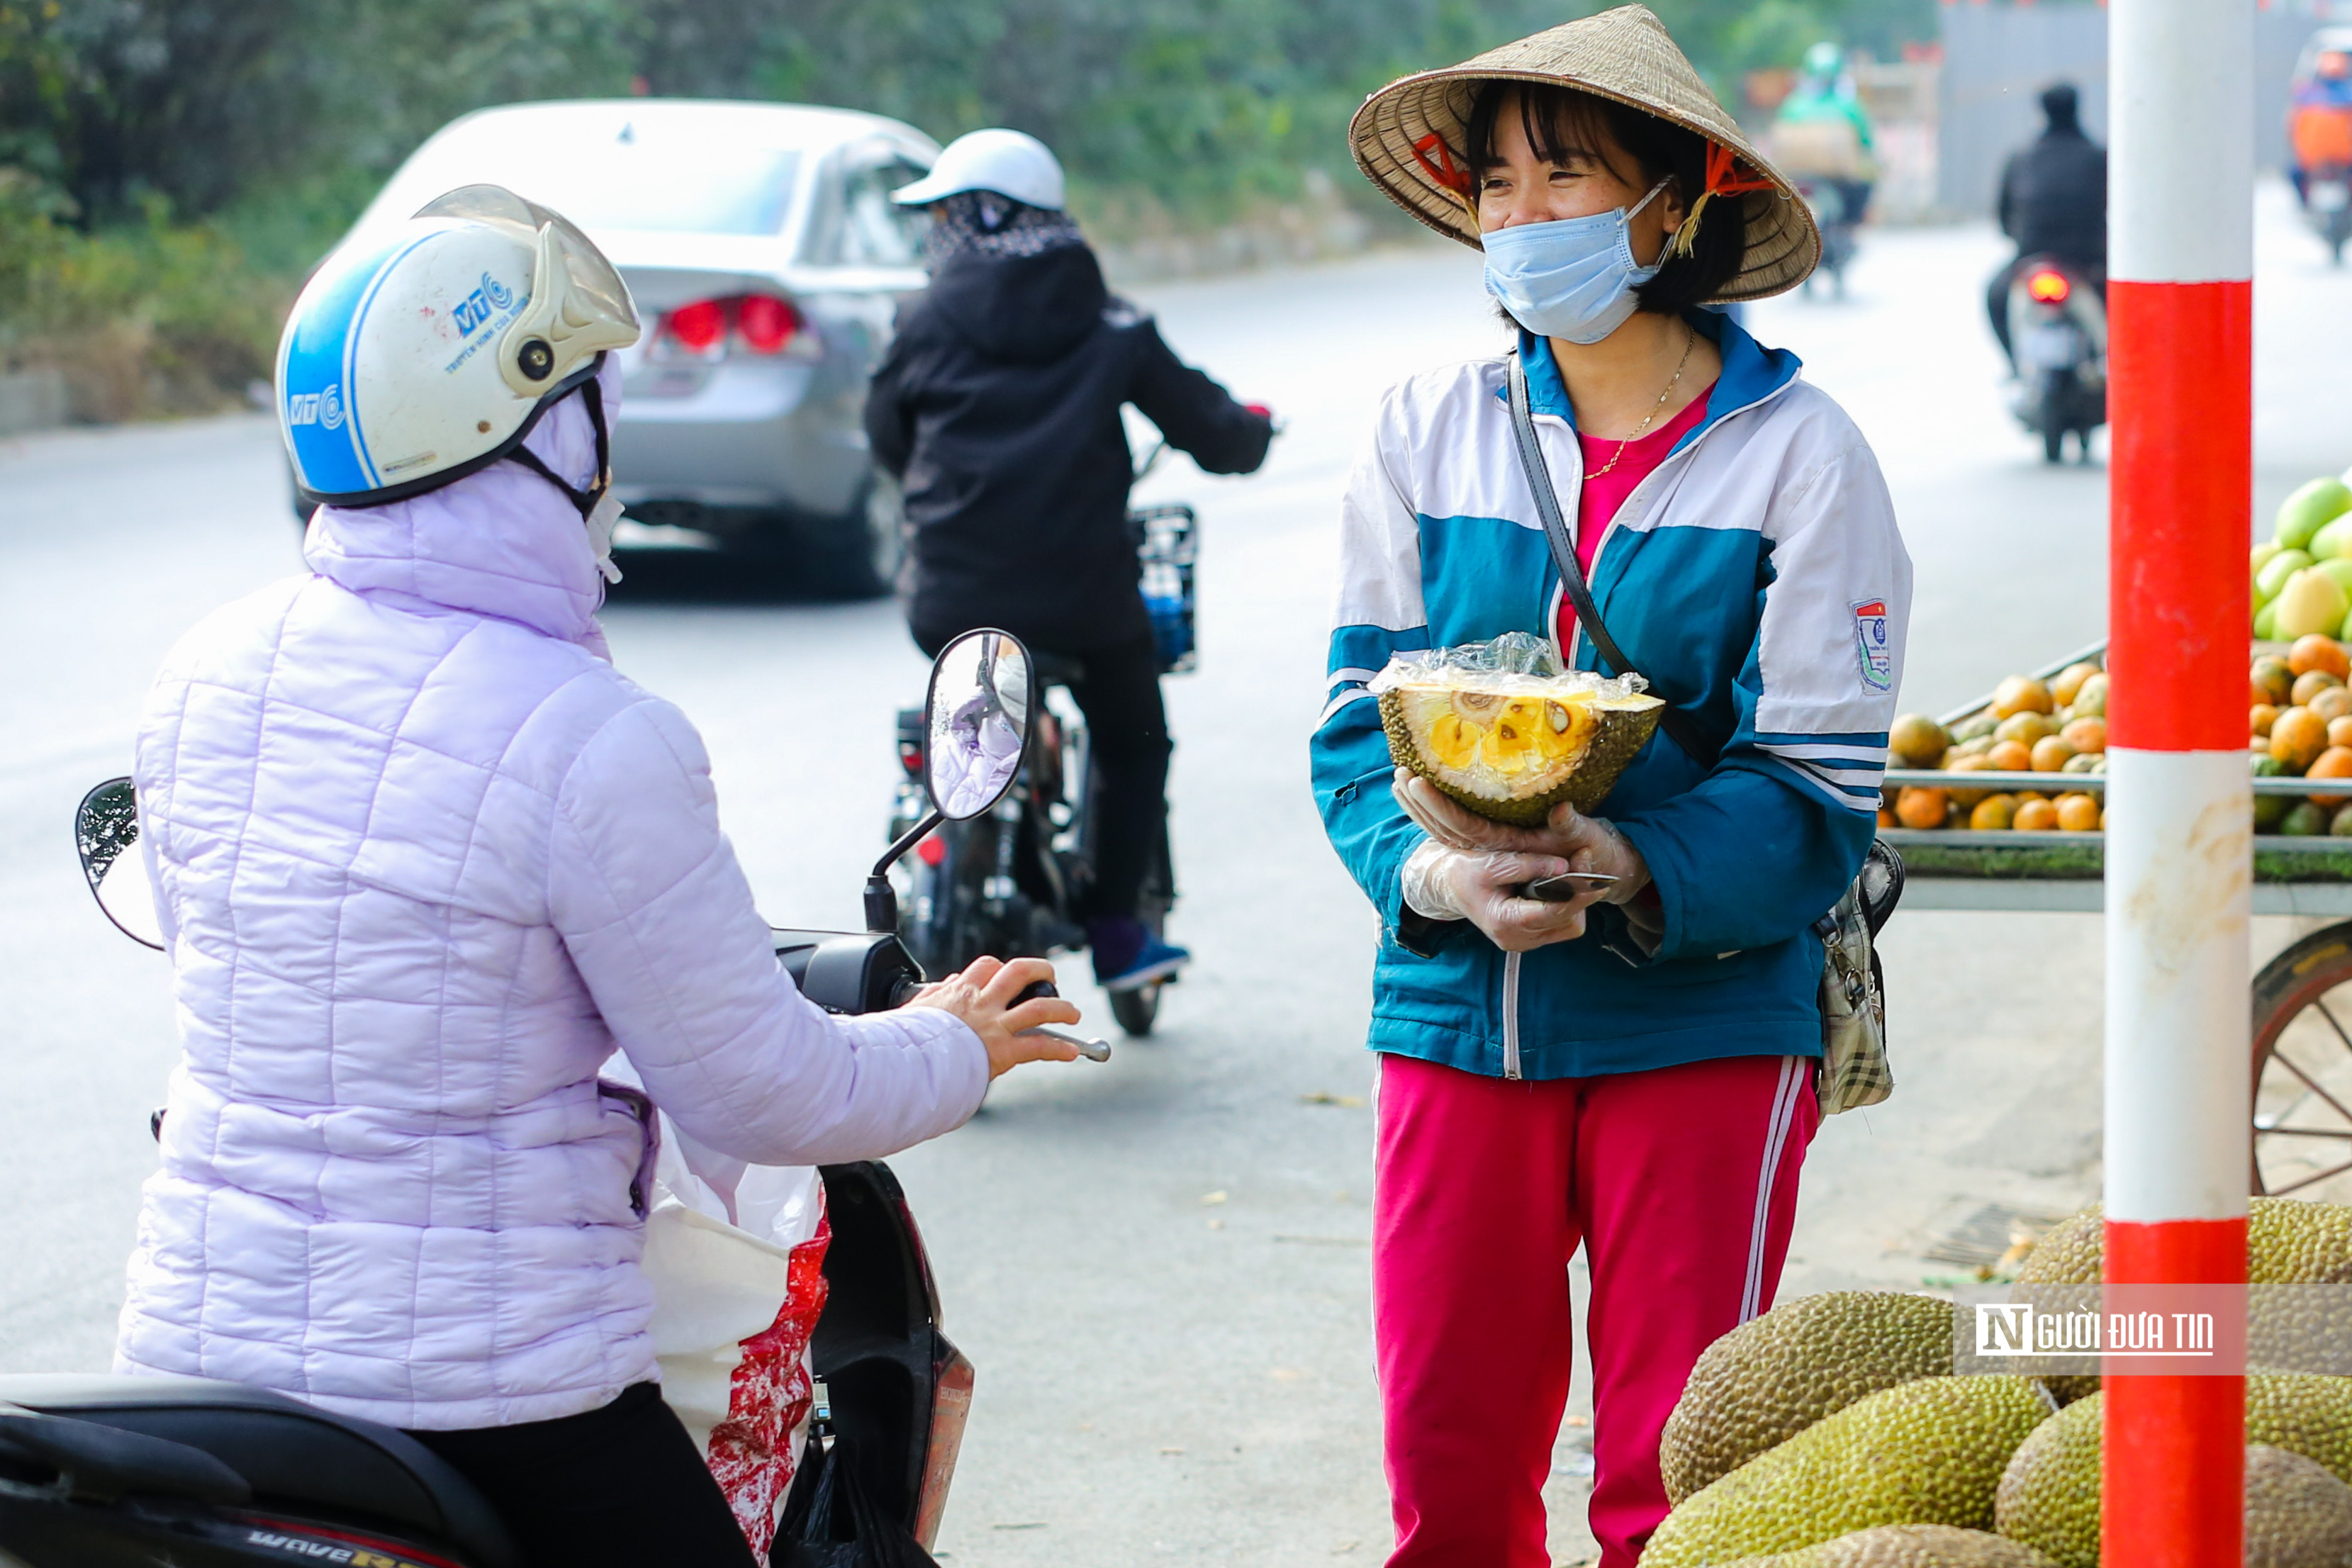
2050 417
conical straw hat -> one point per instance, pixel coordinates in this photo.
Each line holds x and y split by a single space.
1622 54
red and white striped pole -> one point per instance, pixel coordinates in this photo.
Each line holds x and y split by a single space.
2179 821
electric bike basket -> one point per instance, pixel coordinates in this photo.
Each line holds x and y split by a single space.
1166 547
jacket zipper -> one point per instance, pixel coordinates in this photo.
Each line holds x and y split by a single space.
1576 451
1511 1015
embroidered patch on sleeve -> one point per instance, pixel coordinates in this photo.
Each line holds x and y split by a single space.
1870 635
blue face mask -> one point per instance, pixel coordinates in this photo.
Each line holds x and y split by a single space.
1573 277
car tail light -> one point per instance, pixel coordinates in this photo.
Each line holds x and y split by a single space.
933 851
766 322
2049 286
698 326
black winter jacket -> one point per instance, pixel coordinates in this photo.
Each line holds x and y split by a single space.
999 407
2054 199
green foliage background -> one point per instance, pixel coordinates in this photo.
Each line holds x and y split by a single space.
168 168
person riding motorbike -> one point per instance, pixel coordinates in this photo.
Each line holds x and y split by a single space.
425 861
2054 202
2319 120
1821 131
998 408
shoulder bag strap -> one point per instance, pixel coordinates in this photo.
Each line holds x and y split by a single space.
1676 724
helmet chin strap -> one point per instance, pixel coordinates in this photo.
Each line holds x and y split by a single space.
598 508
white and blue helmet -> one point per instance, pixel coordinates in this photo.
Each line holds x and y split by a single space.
419 354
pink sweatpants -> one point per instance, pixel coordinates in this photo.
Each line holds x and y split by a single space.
1681 1184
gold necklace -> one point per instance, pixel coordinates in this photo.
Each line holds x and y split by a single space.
1690 341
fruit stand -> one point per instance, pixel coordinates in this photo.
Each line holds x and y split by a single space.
2302 1061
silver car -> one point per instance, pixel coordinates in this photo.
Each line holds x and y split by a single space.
767 261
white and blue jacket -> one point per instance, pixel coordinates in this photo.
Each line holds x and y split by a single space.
1757 579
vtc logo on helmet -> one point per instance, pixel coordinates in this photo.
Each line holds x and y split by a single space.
317 407
478 306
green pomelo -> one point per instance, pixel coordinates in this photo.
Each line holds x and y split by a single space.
1770 1379
2310 509
1926 1452
2333 540
2311 602
1907 1546
2261 553
2277 570
2266 623
2339 568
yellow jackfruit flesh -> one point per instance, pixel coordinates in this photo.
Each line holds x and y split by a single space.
1512 748
1926 1452
1770 1379
1907 1546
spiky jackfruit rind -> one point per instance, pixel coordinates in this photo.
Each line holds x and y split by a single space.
1625 726
1907 1546
1926 1452
2049 1493
2298 1515
1771 1378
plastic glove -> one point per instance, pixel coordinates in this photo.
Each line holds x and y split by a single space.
1483 886
1584 843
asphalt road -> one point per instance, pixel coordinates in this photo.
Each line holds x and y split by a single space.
1160 1265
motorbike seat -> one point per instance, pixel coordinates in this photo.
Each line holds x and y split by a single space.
293 1454
1049 670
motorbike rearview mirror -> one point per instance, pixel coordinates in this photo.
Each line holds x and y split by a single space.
976 718
975 722
105 828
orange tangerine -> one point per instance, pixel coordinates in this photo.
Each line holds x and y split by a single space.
2319 652
2311 683
1919 807
2088 733
2297 737
2078 814
2260 717
2021 694
2035 817
2013 757
2050 754
1994 813
2336 763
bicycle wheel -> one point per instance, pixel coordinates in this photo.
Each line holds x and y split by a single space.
2302 1135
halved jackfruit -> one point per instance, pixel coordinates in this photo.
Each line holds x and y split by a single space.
1510 747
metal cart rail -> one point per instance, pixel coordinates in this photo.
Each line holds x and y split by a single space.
2301 1139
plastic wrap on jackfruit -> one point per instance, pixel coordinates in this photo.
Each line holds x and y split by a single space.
1500 727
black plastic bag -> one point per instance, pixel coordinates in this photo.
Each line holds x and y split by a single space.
831 1521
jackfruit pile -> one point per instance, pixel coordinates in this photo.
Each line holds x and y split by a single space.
1830 1433
1502 730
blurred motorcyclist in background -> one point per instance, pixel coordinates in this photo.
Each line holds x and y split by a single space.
1823 131
2054 202
2319 119
998 407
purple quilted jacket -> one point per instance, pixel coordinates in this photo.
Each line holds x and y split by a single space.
425 861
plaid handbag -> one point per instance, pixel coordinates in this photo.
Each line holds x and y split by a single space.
1854 1070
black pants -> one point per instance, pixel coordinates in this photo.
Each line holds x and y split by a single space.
1127 725
623 1487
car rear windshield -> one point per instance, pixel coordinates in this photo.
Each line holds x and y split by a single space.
668 185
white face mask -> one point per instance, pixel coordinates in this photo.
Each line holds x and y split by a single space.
601 519
1573 277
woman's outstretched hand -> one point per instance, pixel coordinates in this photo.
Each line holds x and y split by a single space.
983 994
1483 864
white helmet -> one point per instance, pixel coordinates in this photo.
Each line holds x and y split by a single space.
1009 163
416 357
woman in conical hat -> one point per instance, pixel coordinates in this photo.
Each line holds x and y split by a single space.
1630 1071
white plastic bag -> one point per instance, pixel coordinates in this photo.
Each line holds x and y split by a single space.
735 1253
